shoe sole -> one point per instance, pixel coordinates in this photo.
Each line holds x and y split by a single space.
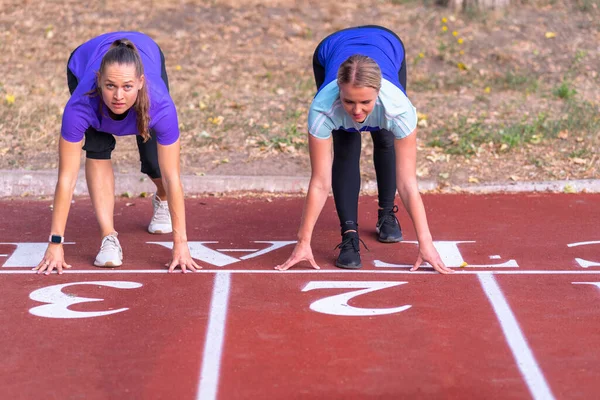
159 232
348 266
108 264
387 240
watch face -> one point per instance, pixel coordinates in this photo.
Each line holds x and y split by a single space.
56 239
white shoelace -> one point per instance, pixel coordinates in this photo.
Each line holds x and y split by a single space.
110 243
161 212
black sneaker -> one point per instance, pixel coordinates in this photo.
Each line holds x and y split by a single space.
349 251
388 227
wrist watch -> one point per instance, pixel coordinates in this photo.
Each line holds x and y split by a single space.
56 239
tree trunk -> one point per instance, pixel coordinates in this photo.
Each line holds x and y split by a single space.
461 5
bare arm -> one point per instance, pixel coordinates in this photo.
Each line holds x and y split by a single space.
69 155
168 160
406 181
318 189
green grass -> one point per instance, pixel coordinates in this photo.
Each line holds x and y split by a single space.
463 138
292 136
517 82
564 91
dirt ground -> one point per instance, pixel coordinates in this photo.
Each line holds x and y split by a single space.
502 96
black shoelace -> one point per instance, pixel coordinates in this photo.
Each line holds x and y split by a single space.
351 241
390 216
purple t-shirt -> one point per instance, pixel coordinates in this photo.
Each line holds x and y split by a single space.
82 112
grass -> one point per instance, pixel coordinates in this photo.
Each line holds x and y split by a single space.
292 139
518 82
564 91
464 138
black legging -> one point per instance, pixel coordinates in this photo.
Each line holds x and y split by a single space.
346 159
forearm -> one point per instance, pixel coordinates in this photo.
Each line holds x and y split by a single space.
63 195
69 160
315 201
174 191
411 198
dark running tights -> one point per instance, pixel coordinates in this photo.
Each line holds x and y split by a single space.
346 173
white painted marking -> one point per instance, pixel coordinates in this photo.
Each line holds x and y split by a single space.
3 255
274 246
59 302
495 257
27 254
246 250
215 335
338 304
450 255
597 284
382 264
585 263
534 378
303 271
202 253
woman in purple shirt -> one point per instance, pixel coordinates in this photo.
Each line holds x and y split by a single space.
118 86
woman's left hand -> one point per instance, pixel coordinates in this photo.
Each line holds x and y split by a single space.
182 257
428 253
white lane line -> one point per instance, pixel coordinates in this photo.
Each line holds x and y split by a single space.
248 250
215 335
301 271
534 378
3 255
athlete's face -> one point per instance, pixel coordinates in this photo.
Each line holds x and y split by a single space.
358 101
120 85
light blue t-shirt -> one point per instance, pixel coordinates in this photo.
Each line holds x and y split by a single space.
393 112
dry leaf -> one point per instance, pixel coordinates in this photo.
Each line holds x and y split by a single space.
472 179
550 35
564 135
569 189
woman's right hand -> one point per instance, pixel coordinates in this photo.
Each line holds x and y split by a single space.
302 252
54 258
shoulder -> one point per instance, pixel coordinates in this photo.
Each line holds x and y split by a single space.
324 111
400 114
327 99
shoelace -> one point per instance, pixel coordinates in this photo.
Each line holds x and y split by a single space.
391 217
162 212
351 241
109 243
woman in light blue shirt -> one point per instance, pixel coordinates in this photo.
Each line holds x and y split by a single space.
361 79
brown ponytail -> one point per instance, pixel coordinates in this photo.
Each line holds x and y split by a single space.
123 51
360 71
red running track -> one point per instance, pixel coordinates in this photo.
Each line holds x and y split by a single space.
519 321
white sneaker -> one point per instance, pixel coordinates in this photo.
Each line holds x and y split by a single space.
111 254
161 219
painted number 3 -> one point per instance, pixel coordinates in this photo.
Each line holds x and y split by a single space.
59 302
338 304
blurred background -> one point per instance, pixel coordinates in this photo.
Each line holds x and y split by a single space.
506 90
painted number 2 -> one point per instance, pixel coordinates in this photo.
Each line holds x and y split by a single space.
59 302
338 304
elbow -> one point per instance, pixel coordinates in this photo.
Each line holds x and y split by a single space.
320 183
408 189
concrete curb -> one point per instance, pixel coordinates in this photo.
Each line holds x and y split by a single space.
20 183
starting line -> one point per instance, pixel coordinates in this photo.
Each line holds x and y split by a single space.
321 271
